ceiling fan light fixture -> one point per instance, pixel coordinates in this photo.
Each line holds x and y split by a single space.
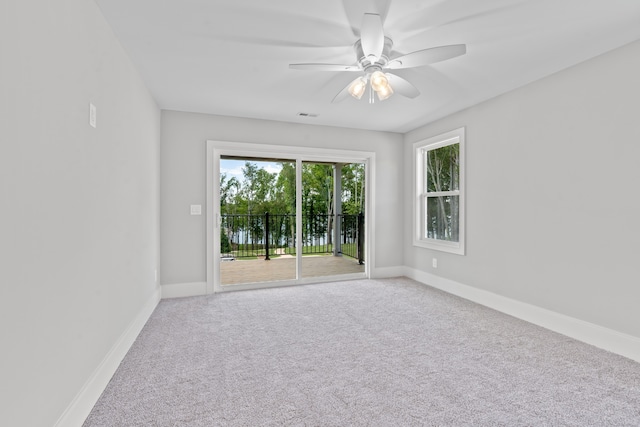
379 81
358 87
384 92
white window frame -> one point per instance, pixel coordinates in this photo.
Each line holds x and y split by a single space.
456 136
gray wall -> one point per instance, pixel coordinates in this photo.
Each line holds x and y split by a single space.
552 193
79 206
183 180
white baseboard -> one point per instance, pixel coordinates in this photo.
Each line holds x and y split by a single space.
181 290
81 406
590 333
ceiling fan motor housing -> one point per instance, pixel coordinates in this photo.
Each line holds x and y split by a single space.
364 61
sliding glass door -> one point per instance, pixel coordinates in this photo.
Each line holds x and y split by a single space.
332 219
281 221
257 220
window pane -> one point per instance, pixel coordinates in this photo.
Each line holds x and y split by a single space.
441 219
442 167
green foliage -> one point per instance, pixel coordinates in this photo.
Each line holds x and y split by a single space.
229 193
285 192
257 190
442 166
353 188
225 245
261 191
317 188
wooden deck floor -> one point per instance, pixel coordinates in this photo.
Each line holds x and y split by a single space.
284 268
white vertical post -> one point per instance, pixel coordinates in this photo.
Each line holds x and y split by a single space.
298 218
337 208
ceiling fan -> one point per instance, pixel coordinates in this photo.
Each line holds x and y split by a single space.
374 57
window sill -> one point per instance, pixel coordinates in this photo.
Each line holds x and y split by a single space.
450 247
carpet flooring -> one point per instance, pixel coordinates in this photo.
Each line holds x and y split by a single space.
388 352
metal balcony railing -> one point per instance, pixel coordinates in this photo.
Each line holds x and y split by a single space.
268 235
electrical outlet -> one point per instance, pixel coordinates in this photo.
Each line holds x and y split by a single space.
434 262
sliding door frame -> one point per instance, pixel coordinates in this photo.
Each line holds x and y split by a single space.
218 149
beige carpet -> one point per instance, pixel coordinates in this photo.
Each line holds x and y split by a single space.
362 353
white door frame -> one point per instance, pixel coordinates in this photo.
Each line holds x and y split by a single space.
216 149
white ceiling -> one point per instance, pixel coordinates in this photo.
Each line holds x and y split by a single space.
230 57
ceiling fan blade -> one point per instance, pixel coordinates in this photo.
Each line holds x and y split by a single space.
427 56
402 86
354 9
372 36
343 94
448 13
270 42
324 67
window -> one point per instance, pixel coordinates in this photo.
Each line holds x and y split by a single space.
439 192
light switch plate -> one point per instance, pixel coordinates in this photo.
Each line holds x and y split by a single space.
196 209
93 115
